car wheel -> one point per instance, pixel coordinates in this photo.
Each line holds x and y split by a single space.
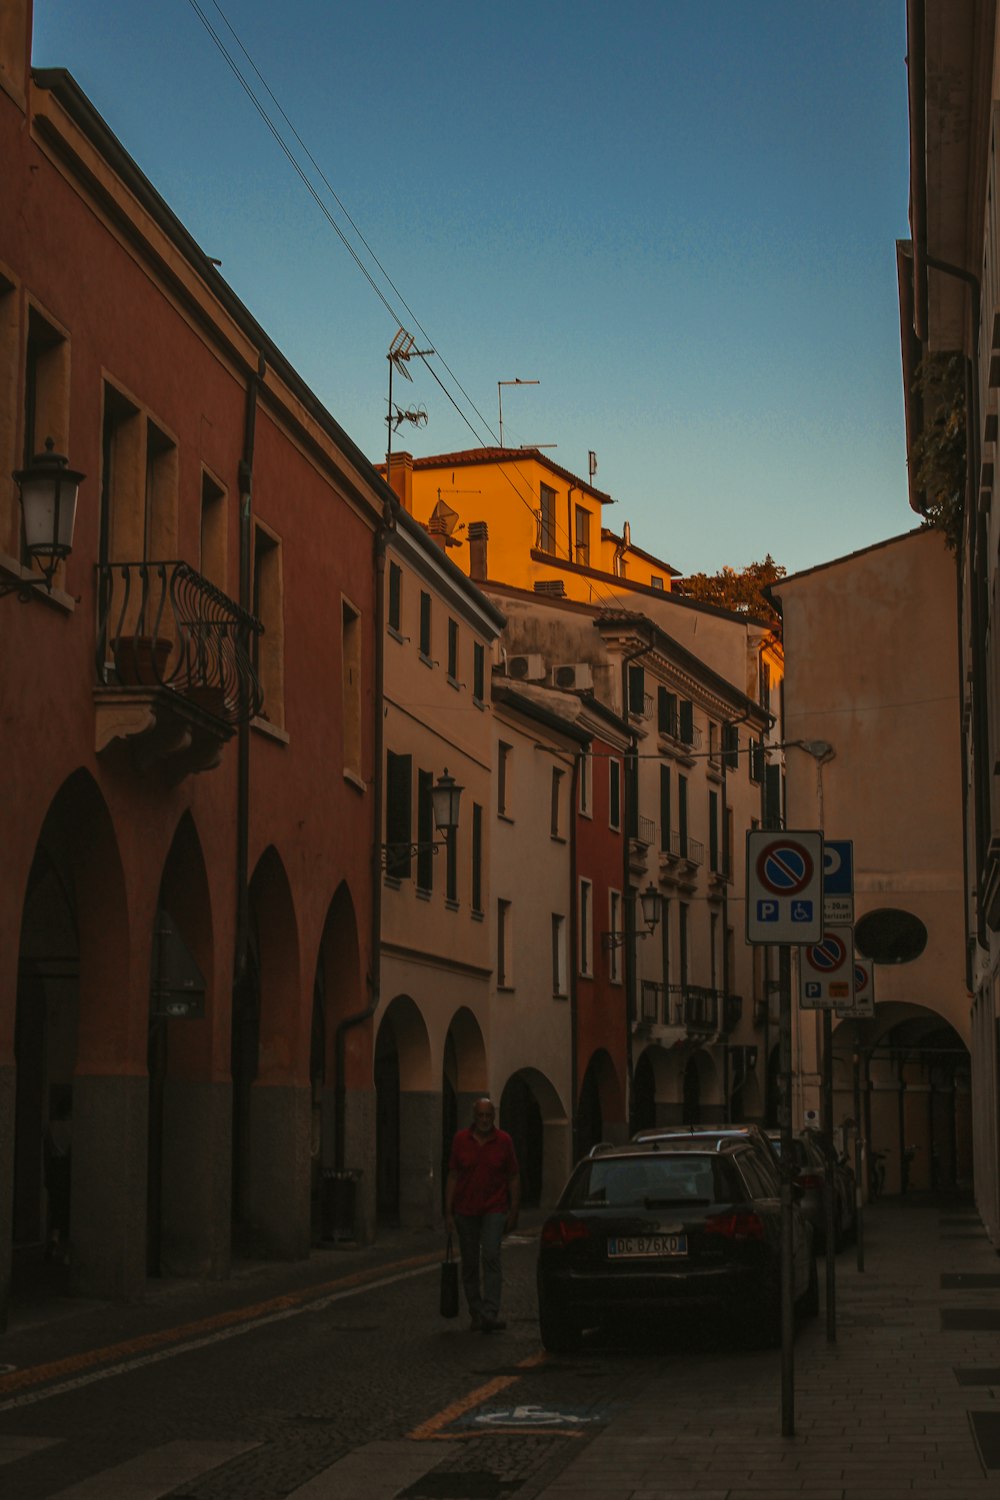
560 1334
809 1301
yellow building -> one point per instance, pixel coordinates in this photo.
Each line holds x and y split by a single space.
546 526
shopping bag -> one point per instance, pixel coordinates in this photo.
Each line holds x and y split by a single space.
449 1283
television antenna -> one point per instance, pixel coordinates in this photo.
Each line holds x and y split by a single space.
516 381
401 351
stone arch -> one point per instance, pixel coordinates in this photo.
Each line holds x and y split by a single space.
750 1096
601 1104
270 1067
657 1087
340 1063
701 1079
915 1097
187 1196
531 1110
407 1118
78 1029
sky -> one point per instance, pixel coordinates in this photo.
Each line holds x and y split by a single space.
678 216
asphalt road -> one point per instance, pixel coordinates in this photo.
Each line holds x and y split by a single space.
361 1391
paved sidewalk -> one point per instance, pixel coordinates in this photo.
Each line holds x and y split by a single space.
902 1405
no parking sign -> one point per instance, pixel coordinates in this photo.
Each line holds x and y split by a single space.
784 886
863 1003
826 970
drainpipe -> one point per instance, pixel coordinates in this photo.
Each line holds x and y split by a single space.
629 949
241 967
381 537
571 960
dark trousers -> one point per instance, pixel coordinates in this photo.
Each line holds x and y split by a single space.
479 1237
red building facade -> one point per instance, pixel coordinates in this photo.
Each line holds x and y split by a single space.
186 913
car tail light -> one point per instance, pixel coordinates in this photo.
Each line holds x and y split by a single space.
736 1226
810 1180
558 1233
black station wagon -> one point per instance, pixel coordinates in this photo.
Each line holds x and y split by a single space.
668 1226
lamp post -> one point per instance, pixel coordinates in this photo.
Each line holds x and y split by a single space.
651 903
47 490
445 799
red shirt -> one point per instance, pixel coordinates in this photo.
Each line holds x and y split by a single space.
483 1169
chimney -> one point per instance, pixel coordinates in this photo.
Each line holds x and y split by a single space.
478 537
437 532
400 467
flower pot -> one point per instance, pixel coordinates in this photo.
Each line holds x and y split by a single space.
141 660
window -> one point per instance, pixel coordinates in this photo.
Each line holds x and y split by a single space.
121 458
713 949
505 975
582 552
477 858
547 520
665 808
505 754
453 650
398 815
558 955
425 626
615 792
586 928
555 820
682 933
666 712
713 740
665 940
46 387
713 831
614 927
756 761
350 676
731 747
451 866
268 608
682 815
212 551
656 582
479 671
425 831
636 690
632 795
586 782
687 721
728 834
395 597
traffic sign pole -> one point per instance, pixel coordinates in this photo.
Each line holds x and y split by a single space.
787 1173
828 1184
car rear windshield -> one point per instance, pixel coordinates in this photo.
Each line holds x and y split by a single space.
622 1182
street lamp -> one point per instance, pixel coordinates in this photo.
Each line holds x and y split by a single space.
652 907
445 797
47 489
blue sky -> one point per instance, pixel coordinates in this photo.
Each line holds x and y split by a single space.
680 217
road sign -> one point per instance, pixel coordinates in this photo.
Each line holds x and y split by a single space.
838 882
863 1003
826 970
784 886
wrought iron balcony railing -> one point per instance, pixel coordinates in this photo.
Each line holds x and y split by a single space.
162 625
700 1008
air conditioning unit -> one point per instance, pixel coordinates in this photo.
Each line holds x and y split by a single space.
573 675
526 668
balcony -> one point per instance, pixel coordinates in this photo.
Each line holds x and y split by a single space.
639 845
732 1012
175 665
700 1009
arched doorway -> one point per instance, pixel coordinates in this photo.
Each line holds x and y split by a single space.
700 1082
535 1117
916 1099
340 1081
407 1119
644 1095
600 1111
463 1080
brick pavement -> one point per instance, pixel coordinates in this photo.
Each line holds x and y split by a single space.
880 1414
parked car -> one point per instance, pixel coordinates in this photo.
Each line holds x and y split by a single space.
669 1226
844 1180
753 1135
810 1177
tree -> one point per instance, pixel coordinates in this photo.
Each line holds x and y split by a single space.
739 590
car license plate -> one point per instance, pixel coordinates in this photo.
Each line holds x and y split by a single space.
646 1246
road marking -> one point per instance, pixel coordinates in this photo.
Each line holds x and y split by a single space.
432 1427
156 1472
229 1325
376 1471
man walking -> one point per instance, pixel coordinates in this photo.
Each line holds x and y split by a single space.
481 1204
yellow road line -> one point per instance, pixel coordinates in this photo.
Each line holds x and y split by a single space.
19 1380
432 1427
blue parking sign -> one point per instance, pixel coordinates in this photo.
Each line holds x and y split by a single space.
767 911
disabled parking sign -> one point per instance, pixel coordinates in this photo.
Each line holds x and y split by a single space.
784 886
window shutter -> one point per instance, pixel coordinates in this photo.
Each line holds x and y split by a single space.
666 711
398 815
425 830
687 721
631 798
713 830
636 689
665 807
772 797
